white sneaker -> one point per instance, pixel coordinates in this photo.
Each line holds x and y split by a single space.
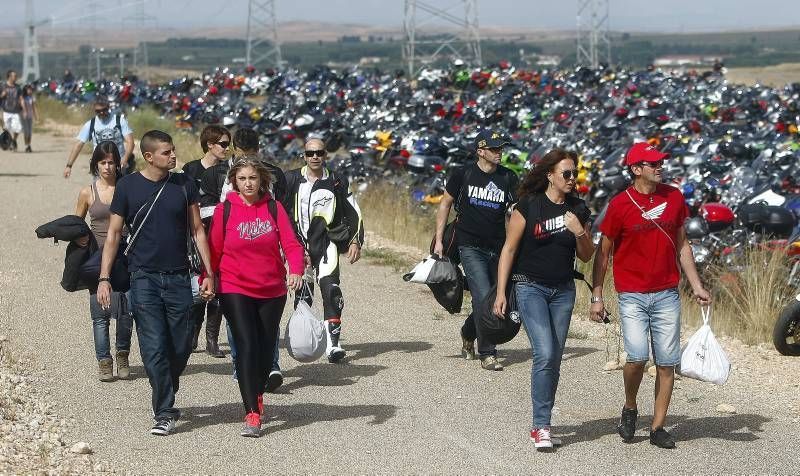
541 438
163 427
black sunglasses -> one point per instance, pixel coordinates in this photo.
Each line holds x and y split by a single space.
101 111
224 144
568 174
652 165
317 153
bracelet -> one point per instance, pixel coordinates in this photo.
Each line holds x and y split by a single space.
578 236
596 299
100 280
69 166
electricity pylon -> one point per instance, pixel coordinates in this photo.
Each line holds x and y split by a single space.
593 40
263 45
464 45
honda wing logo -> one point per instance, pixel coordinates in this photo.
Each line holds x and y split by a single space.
656 212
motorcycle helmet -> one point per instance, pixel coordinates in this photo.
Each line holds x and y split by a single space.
696 228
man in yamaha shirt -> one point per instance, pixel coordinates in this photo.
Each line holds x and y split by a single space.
482 193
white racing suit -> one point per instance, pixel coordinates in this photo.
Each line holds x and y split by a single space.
327 221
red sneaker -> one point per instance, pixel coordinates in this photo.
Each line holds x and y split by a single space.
252 425
263 415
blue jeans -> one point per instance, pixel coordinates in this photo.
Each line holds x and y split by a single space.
161 304
657 314
546 312
480 269
101 321
235 353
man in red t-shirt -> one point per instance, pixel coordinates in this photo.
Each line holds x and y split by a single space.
644 228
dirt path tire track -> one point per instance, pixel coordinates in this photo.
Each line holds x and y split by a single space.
403 401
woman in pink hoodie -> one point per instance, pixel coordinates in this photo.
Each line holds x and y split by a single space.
246 253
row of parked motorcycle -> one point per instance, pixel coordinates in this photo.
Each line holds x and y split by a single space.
734 149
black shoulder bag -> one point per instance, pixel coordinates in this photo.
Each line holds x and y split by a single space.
449 238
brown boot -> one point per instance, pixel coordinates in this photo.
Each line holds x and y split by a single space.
213 323
123 367
106 370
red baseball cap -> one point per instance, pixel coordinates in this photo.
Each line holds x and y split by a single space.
643 152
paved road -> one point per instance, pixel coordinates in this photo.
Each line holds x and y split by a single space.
402 401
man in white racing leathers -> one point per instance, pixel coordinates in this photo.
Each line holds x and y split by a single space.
328 222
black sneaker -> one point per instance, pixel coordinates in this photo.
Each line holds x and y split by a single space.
274 380
163 427
661 438
627 423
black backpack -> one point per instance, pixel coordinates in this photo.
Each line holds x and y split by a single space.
5 140
117 126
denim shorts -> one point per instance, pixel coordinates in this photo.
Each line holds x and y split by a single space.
655 314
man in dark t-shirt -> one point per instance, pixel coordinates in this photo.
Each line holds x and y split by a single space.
481 193
161 210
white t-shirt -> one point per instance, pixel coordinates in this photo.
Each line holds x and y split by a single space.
107 130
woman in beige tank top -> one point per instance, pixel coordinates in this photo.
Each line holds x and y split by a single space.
95 199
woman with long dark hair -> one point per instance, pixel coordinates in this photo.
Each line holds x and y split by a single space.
95 199
248 247
546 231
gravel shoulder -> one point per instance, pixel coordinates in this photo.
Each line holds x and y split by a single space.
402 402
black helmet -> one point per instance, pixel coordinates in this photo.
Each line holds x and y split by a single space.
493 329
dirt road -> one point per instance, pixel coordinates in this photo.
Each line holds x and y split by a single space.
403 401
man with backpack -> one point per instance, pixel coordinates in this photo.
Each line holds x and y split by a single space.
102 127
482 193
161 212
11 100
328 222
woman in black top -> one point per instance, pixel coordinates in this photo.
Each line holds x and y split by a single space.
214 140
546 231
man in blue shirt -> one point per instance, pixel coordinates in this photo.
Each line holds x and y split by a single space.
161 210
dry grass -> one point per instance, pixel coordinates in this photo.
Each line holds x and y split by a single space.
775 76
747 301
390 212
58 117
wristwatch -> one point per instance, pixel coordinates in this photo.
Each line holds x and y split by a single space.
596 299
100 280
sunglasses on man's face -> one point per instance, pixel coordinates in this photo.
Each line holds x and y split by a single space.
315 153
569 174
224 144
101 111
652 165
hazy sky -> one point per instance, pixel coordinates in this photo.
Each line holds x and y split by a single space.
628 15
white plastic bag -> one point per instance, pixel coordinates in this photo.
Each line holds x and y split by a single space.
703 358
305 337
